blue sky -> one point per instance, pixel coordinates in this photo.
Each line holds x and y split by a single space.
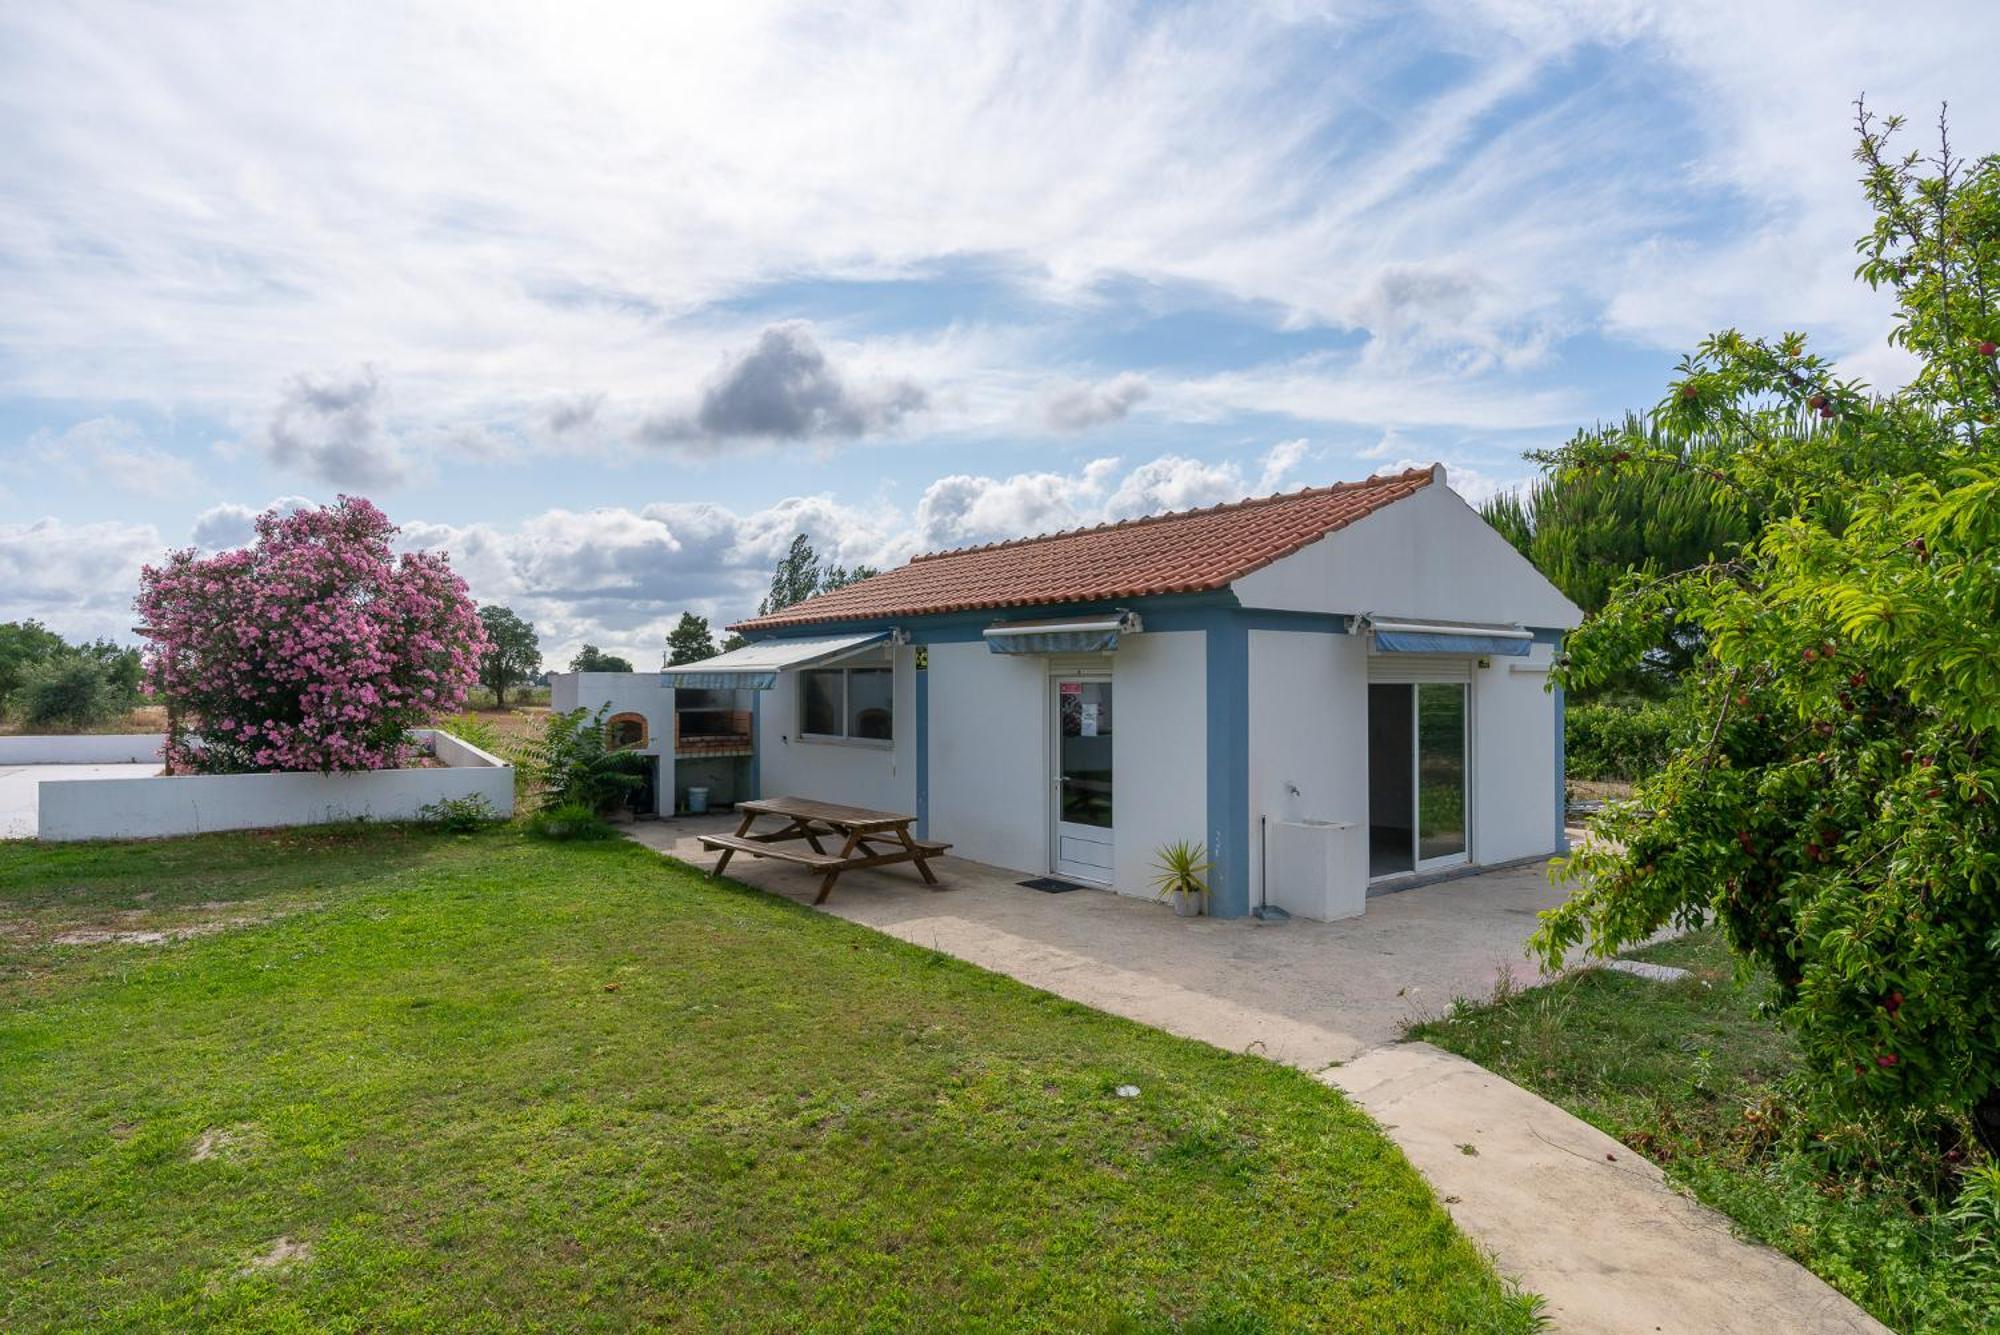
610 307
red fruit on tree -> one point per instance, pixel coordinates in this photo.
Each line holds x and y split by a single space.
1893 1002
1886 1060
1816 402
1690 392
1989 348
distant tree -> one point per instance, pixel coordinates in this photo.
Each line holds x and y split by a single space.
689 641
800 576
590 658
796 578
839 577
66 690
1585 530
23 644
513 651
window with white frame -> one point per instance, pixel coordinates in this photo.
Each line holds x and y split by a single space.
847 704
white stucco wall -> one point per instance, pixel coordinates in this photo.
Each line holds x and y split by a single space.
990 771
858 773
1159 752
160 805
129 748
1430 556
1513 759
991 741
1309 732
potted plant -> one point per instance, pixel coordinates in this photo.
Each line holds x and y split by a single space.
1182 879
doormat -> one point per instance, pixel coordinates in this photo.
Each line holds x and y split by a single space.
1049 885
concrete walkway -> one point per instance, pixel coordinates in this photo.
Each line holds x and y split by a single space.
1569 1212
20 790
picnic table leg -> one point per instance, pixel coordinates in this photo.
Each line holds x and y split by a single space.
917 855
846 851
742 828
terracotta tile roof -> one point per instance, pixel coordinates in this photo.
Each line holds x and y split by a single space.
1192 551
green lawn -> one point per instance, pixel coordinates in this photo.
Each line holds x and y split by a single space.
1692 1074
486 1083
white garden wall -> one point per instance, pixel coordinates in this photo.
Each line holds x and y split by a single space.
160 805
127 748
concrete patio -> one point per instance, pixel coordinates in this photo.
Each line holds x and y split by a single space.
1565 1209
1303 993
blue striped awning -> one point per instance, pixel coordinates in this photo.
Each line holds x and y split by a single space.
1433 637
1095 635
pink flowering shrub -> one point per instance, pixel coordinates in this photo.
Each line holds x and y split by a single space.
314 648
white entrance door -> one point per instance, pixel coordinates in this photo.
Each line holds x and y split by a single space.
1083 802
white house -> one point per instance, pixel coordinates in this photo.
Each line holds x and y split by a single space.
1343 689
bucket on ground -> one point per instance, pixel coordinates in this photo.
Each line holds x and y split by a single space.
697 801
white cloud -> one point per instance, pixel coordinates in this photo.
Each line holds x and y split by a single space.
1077 407
112 452
230 525
78 579
1281 462
199 212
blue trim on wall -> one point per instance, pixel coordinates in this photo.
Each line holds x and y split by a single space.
1229 765
1562 785
923 752
756 744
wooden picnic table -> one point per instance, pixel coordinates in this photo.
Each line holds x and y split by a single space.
869 838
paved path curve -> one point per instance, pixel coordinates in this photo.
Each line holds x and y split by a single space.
1563 1208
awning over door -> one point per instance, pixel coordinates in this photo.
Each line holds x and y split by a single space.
755 667
1447 637
1077 635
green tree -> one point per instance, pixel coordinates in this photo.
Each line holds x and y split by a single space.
1833 804
68 690
513 652
796 578
590 658
1585 529
22 645
839 577
800 576
689 641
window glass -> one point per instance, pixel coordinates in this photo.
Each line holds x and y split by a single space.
869 703
820 702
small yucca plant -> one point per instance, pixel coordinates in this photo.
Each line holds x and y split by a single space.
1183 868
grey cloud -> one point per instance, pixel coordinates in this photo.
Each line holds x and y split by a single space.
1078 407
229 525
331 429
785 389
572 411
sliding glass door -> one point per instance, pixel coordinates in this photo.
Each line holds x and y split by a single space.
1417 782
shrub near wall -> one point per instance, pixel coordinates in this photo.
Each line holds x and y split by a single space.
1617 739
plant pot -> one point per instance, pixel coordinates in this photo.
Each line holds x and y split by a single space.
1186 905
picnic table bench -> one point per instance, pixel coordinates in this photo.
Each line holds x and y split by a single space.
869 839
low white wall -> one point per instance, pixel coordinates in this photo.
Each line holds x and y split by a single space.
161 805
123 748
